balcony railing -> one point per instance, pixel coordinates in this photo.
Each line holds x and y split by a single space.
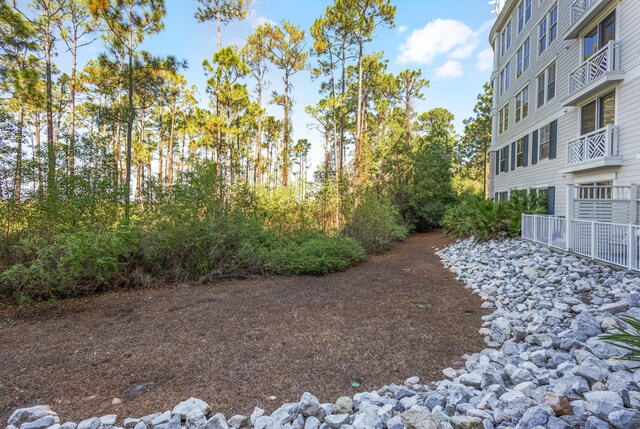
579 8
597 145
599 64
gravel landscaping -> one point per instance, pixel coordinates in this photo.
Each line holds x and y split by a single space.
544 365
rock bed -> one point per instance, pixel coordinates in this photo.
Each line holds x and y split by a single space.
544 367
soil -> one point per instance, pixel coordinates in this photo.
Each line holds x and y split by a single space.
238 344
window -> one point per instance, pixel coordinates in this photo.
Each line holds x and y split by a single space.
504 118
520 153
524 14
522 104
548 29
502 196
597 38
505 39
545 142
523 57
546 85
505 74
598 114
503 159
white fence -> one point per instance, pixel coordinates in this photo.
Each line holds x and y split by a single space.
613 243
599 144
578 8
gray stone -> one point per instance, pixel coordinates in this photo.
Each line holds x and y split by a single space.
624 419
185 407
23 415
309 405
41 423
344 405
69 425
601 404
92 423
196 420
418 419
366 419
108 420
585 326
595 423
140 425
335 421
263 422
130 423
466 422
175 422
312 423
237 421
161 418
536 416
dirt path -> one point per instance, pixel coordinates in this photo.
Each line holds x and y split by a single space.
237 343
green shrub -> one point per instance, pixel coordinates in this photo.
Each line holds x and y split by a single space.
376 224
487 219
197 249
70 264
309 252
628 339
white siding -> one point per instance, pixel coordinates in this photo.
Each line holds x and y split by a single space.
567 54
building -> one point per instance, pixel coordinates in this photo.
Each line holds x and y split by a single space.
566 113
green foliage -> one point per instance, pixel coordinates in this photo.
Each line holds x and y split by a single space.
376 224
486 219
71 264
628 339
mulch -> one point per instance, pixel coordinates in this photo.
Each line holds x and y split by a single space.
238 344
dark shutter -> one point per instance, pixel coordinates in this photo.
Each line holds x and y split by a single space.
497 161
553 139
506 157
534 148
496 198
525 149
551 200
513 156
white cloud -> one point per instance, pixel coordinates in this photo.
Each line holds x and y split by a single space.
255 19
485 60
402 29
450 70
443 37
438 37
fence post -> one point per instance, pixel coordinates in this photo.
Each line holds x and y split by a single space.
535 228
593 239
633 204
630 248
550 231
569 217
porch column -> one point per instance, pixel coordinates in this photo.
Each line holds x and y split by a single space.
569 216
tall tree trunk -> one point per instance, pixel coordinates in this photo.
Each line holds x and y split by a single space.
17 183
358 160
38 125
257 174
285 147
72 110
169 174
130 116
51 149
160 152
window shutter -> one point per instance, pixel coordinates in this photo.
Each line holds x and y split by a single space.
553 139
551 200
496 159
513 156
534 148
525 148
506 156
496 197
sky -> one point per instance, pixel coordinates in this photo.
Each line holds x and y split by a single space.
446 39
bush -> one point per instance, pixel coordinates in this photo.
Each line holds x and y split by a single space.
70 264
197 249
376 224
309 252
487 219
628 339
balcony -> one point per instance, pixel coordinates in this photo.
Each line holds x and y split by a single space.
600 71
594 150
582 13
